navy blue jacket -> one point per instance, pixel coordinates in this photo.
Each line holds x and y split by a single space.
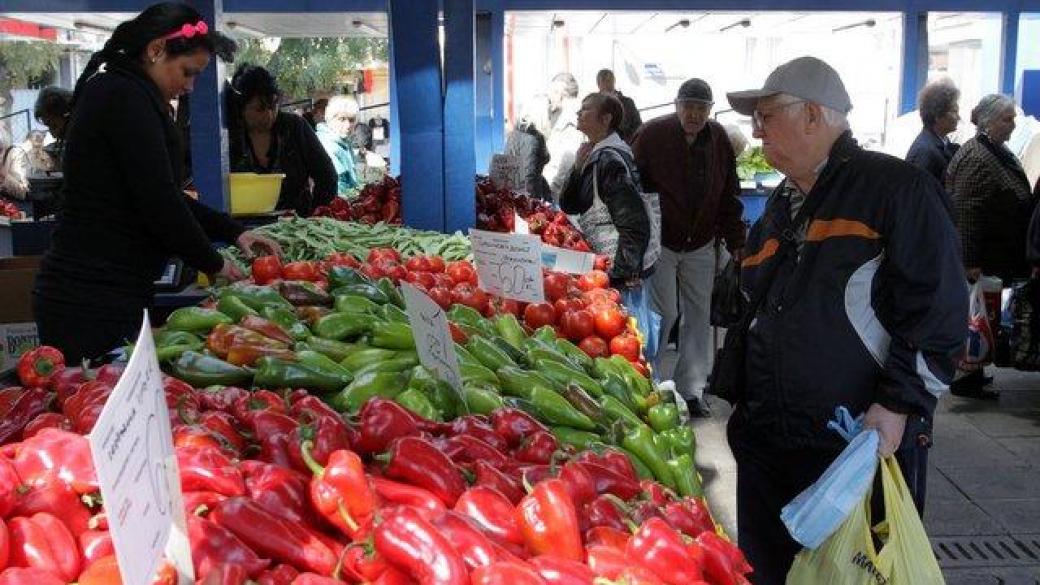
931 153
872 309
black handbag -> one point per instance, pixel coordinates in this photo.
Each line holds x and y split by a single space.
728 303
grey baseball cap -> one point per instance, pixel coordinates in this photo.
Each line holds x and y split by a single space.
805 77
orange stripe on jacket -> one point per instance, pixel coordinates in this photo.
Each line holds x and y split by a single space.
821 229
768 249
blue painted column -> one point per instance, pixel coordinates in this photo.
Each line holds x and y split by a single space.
915 59
459 149
484 93
209 137
1009 53
420 118
498 78
395 120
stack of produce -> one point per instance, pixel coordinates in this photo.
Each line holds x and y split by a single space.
375 203
10 210
497 209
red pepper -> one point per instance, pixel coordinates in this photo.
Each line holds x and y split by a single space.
392 576
420 463
278 490
549 521
698 509
213 545
312 579
47 420
413 545
562 571
223 425
724 563
492 512
109 374
54 453
606 561
280 575
608 481
607 536
96 544
644 511
661 550
10 485
469 449
382 421
26 405
579 483
274 537
477 426
224 574
84 407
207 469
656 493
686 520
475 548
36 366
274 433
57 498
604 511
43 542
199 503
266 328
246 354
322 426
532 474
245 408
341 491
489 476
199 438
537 448
507 573
220 398
641 576
24 576
515 425
395 493
361 564
66 382
181 401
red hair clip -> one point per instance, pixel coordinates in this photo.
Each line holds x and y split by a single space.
188 31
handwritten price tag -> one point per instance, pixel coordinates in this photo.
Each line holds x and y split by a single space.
432 336
569 261
506 172
509 265
132 447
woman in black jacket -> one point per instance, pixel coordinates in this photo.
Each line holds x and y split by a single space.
604 188
125 213
266 140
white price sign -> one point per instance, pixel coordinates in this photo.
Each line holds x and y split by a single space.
506 172
132 446
432 336
569 261
509 265
520 225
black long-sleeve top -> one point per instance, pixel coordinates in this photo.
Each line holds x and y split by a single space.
124 212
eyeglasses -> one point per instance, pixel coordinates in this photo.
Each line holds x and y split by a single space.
759 118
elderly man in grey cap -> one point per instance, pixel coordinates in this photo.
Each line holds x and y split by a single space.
857 300
687 158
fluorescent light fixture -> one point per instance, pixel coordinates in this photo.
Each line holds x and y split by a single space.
83 25
244 30
367 28
684 23
743 23
869 23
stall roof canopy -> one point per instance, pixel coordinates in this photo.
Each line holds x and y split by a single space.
677 22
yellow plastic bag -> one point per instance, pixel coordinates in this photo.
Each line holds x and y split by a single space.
849 557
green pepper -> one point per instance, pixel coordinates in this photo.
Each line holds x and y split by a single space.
383 384
464 317
201 370
642 470
680 441
574 353
392 314
580 440
534 354
362 289
563 375
489 354
322 363
339 326
256 296
546 333
509 328
390 290
614 385
355 304
392 335
444 398
518 357
402 362
166 337
635 380
516 382
601 367
233 307
639 439
687 480
478 373
275 373
168 353
417 402
663 417
521 404
196 320
465 357
555 409
365 356
584 403
335 350
615 410
343 276
287 320
481 399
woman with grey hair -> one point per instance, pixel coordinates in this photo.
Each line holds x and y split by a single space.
336 136
992 204
14 168
932 150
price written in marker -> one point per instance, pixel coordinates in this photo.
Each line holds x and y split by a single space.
432 336
509 265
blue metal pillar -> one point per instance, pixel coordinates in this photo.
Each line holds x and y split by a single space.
209 137
395 121
459 148
915 59
1009 53
420 118
484 93
498 78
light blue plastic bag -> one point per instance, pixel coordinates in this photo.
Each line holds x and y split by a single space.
817 512
637 302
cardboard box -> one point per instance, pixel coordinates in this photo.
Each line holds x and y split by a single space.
16 339
16 282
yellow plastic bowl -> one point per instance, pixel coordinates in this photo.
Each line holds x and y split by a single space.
254 193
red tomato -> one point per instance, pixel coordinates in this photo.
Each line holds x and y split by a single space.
626 346
598 297
372 272
266 269
468 294
556 285
500 306
418 264
441 279
538 314
301 271
610 321
441 296
593 280
461 271
341 259
579 324
423 279
602 263
436 264
376 254
594 346
397 273
614 295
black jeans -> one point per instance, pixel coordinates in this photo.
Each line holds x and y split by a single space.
768 478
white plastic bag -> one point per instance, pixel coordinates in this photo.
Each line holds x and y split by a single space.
978 350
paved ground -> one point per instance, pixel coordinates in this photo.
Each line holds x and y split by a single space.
983 504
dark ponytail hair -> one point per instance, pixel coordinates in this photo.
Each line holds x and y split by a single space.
127 45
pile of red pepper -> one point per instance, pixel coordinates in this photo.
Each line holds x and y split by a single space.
497 209
10 210
280 489
377 202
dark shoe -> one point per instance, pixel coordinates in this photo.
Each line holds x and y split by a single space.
698 408
974 386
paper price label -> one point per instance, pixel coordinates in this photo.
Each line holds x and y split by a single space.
569 261
509 265
132 447
520 225
505 171
432 336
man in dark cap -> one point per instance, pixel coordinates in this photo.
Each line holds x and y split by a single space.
857 268
688 160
